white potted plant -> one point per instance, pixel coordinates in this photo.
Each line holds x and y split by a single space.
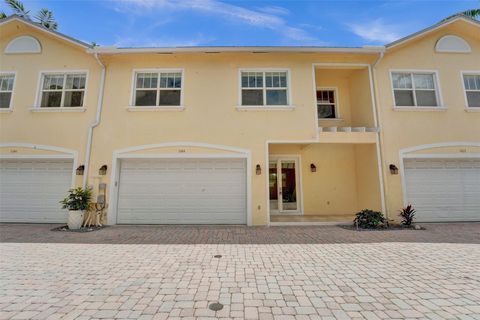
77 202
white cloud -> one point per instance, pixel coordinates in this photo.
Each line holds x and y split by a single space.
275 10
376 31
267 17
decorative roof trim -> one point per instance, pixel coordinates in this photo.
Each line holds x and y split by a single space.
434 27
222 49
37 26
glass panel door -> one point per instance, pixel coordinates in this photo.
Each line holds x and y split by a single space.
273 185
283 182
289 185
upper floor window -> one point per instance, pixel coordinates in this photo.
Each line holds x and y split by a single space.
415 89
326 104
264 88
63 90
472 89
6 90
158 88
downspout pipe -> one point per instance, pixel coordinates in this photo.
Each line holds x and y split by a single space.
88 150
379 133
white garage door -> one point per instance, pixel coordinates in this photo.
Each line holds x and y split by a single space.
444 189
182 191
30 190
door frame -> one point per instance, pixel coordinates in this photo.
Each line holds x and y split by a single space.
127 153
298 181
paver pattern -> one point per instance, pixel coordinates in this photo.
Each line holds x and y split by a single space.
376 280
145 234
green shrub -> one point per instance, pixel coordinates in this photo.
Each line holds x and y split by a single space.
369 219
407 214
77 199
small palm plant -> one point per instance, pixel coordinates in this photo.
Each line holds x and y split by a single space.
78 199
408 215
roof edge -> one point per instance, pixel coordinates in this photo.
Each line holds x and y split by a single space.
15 17
222 49
434 27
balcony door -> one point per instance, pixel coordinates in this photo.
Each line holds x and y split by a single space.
284 185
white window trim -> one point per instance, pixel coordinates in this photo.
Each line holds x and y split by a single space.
133 107
38 96
438 91
288 106
58 109
155 109
337 103
468 72
10 107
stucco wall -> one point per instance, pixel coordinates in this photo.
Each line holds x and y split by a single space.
59 129
405 129
346 179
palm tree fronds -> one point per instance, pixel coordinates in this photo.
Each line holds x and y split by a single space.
2 15
473 13
46 19
18 8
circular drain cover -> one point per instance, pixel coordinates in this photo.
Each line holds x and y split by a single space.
215 306
217 256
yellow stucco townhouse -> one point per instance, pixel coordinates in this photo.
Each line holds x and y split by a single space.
241 135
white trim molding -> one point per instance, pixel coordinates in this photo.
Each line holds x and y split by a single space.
64 153
336 97
64 72
158 71
126 153
420 109
59 109
265 106
155 109
462 74
298 180
437 89
10 107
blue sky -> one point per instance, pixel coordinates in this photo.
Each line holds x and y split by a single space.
160 23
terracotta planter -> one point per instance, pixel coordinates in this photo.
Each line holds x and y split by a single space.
75 219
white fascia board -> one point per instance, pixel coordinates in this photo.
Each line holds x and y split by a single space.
166 50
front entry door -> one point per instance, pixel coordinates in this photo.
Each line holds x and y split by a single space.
284 185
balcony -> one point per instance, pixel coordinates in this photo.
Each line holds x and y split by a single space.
345 110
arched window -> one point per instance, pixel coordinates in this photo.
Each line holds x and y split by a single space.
452 44
23 44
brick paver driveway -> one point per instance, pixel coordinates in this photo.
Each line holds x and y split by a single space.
283 273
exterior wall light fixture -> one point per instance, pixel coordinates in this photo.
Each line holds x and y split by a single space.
80 170
313 168
393 169
258 170
103 170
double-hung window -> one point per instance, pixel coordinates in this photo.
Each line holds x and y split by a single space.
326 104
60 90
154 88
6 90
471 83
415 89
264 88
